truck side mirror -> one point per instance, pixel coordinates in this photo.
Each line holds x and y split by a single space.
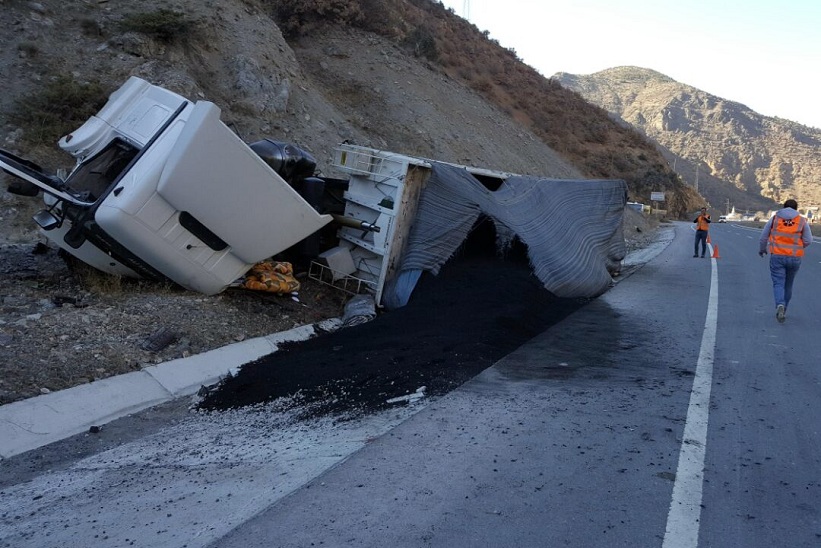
46 220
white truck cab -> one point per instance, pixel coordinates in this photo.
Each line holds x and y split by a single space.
163 188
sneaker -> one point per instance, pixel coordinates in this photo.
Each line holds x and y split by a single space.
702 256
780 313
696 255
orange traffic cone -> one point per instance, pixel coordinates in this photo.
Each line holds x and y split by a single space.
708 239
715 252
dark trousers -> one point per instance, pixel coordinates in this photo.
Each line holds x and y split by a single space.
701 236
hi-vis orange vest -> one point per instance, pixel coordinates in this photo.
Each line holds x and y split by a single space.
785 236
702 222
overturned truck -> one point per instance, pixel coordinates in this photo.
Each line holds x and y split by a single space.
163 189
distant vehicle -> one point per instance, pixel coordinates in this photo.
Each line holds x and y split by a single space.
722 219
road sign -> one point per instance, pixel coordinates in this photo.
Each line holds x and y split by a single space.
657 196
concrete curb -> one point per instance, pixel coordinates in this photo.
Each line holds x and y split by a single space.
38 421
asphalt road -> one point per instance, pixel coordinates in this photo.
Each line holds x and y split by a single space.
672 411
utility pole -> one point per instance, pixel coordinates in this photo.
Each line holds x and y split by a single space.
696 177
727 209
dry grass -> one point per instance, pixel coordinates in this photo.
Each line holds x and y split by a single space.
61 105
164 25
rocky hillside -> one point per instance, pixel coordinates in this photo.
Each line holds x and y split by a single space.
739 157
406 75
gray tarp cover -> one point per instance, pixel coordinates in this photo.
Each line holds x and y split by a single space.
572 228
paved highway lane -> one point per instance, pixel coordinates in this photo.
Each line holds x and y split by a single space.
575 439
763 479
590 435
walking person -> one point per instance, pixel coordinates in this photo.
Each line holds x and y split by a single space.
702 227
786 234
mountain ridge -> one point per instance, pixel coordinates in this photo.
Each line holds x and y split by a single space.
740 158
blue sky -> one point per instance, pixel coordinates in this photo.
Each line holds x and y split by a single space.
764 54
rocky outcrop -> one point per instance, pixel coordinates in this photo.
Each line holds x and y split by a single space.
737 157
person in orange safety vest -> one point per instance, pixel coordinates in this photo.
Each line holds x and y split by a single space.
702 226
786 235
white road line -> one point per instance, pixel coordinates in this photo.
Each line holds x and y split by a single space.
684 517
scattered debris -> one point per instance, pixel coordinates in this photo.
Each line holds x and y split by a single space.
358 310
158 340
273 277
409 398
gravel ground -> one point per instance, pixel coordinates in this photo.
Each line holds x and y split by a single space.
62 324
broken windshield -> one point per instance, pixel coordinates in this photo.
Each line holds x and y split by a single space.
91 180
